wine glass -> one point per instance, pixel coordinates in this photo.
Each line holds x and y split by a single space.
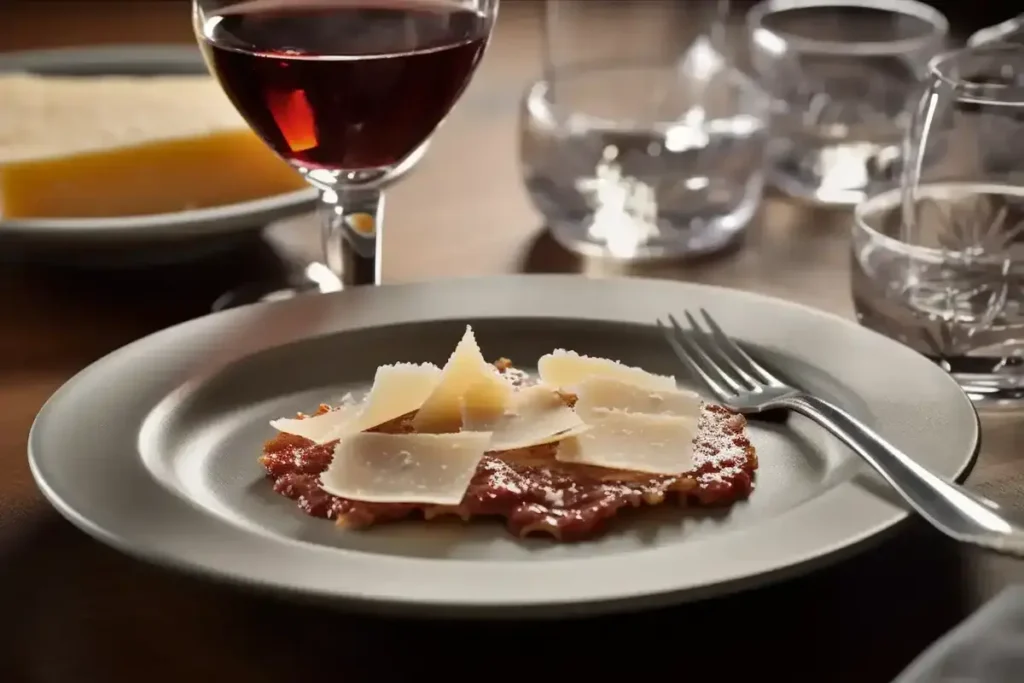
345 91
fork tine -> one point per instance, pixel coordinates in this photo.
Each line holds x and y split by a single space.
692 364
735 349
706 361
723 356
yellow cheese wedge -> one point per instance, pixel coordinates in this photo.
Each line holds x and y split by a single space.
121 146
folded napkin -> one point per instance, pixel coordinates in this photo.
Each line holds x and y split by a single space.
986 648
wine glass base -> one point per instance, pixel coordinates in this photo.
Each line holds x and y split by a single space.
315 278
259 292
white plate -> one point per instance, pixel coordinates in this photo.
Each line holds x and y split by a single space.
153 449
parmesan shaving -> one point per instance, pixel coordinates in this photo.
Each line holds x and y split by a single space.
317 428
566 369
397 390
467 368
484 404
536 416
434 469
655 444
598 393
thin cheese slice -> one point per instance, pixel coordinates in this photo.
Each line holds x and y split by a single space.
566 369
484 404
397 390
536 416
434 469
597 394
656 444
318 428
467 367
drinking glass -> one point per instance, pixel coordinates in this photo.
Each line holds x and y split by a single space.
939 264
1009 31
640 140
345 91
844 75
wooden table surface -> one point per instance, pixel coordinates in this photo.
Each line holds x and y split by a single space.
74 610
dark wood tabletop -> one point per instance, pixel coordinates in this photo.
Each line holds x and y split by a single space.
74 610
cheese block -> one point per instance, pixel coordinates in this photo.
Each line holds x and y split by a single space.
466 368
405 468
108 146
656 444
535 416
566 369
597 394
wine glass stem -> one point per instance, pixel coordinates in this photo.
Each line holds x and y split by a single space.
351 233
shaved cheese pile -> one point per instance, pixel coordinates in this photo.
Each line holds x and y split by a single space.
624 418
566 369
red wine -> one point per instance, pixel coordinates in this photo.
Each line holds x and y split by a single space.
344 84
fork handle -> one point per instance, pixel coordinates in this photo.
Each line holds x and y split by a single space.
953 509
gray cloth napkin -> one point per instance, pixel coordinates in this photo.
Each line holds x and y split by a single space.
986 648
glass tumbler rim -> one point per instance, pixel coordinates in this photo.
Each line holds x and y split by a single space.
892 200
940 65
538 104
877 48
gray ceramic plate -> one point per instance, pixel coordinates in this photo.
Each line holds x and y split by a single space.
201 224
153 449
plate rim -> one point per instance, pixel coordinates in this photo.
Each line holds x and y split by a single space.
216 220
495 605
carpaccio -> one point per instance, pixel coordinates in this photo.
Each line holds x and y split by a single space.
529 489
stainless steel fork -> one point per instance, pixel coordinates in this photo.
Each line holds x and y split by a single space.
744 385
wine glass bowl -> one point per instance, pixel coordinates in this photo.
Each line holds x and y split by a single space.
345 91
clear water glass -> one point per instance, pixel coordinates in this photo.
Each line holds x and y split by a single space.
1009 31
845 76
939 264
650 146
